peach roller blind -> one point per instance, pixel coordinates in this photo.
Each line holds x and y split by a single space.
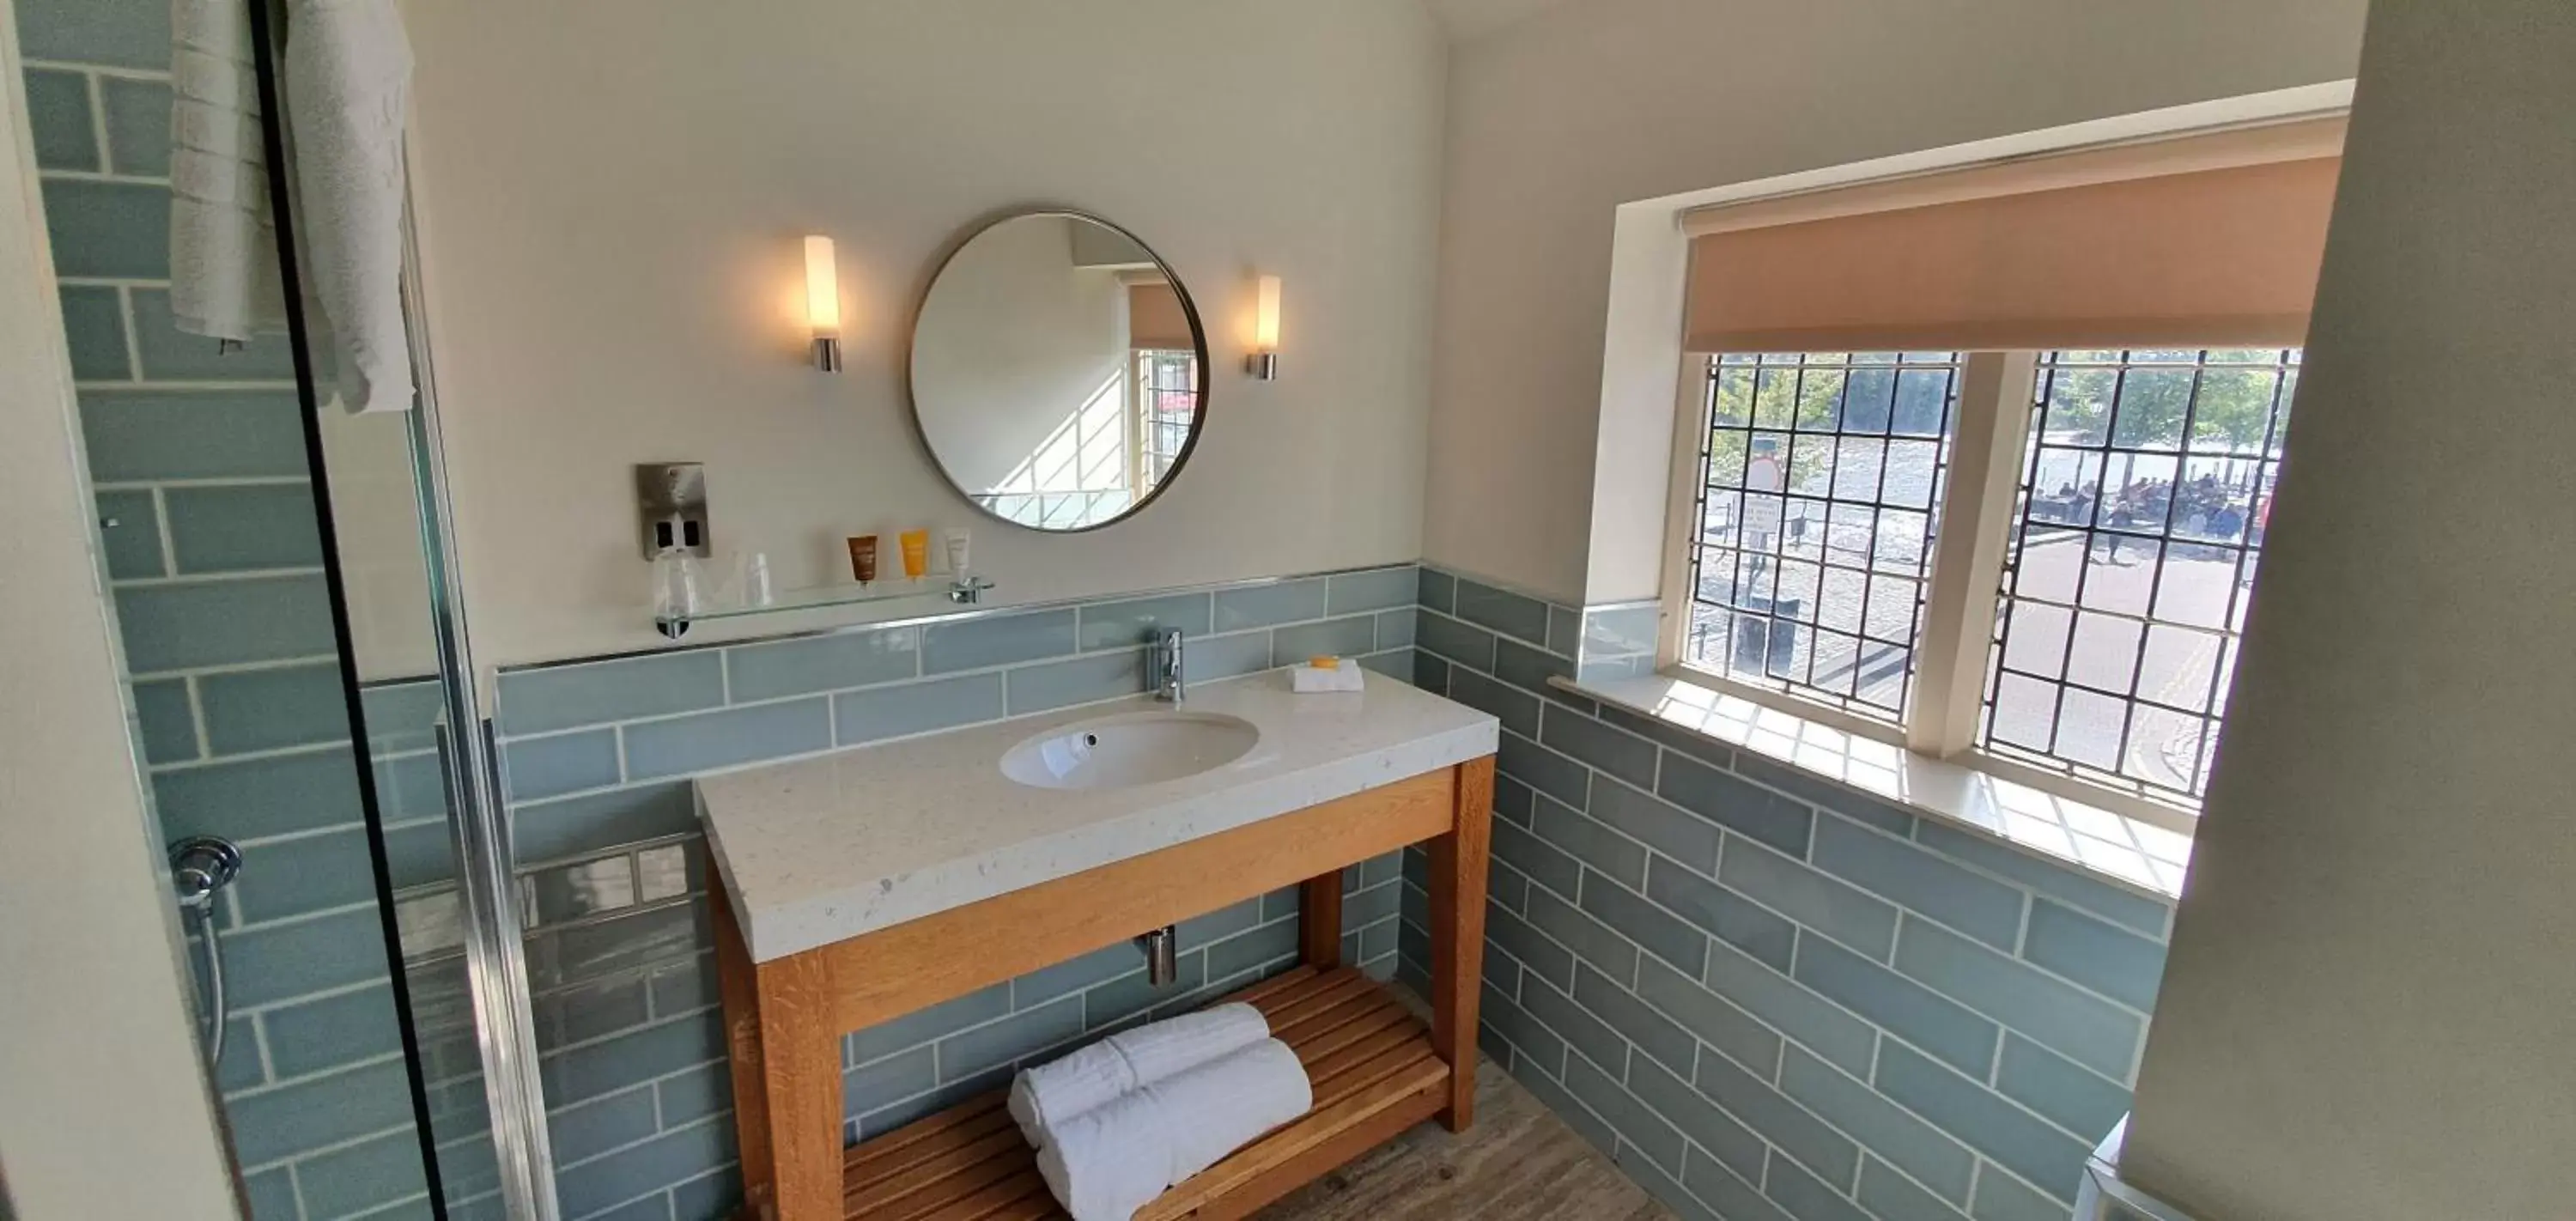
1156 320
2201 241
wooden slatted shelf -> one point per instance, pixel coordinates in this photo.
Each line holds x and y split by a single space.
1374 1075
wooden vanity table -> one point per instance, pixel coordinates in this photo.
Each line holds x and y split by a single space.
1376 1068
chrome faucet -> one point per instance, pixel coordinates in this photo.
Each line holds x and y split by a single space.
1168 684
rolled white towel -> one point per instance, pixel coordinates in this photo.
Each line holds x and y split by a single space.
1043 1098
348 75
224 280
1113 1159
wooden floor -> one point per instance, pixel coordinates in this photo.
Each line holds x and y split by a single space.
1518 1161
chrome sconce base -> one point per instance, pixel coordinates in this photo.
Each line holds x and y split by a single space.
827 353
1263 366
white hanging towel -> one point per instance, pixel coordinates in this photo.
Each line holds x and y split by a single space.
1043 1098
223 242
348 87
1108 1162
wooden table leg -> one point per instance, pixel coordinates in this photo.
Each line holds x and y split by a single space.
1319 920
786 1077
1458 861
739 985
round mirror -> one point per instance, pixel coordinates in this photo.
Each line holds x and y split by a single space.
1058 371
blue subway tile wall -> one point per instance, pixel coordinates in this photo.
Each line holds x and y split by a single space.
207 524
1763 994
599 754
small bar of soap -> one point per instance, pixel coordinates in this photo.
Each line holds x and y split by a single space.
1323 674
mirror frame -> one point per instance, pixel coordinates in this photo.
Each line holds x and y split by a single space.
912 347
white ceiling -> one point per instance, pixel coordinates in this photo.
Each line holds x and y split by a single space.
1467 20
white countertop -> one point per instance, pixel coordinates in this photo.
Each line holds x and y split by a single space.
826 848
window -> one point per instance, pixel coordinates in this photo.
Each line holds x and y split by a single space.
1167 401
2128 516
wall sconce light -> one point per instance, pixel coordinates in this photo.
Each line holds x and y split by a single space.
1263 362
823 303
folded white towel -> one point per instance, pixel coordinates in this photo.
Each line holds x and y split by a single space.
348 87
1043 1098
1110 1161
224 280
1311 679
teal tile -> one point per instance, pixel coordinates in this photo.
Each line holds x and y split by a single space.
308 1115
1807 1197
1615 856
1512 800
1346 637
1712 1019
871 1086
1743 808
1502 611
2118 965
538 768
1598 746
1081 680
1767 993
1733 1198
1545 770
272 1195
1064 978
1912 1012
1667 1189
556 829
1378 589
1639 1128
1564 631
1530 669
1594 943
822 663
714 1195
2001 1197
187 626
569 697
579 1133
1818 790
1244 951
609 1065
1645 1029
1223 922
1516 709
260 710
403 714
1540 957
2080 1102
122 35
1007 1041
1617 630
1788 1126
1124 998
306 874
894 712
1269 605
1396 627
421 853
257 798
678 1154
1471 647
1728 916
1124 625
1920 881
411 787
2091 1031
687 745
169 354
1660 825
1893 1197
1438 590
2011 1136
1214 658
1723 1135
138 125
129 530
1430 673
1505 1017
1819 902
999 640
1396 664
242 529
94 329
319 1035
111 229
591 1009
1885 1129
365 1177
691 985
135 435
1656 930
1578 1026
169 727
695 1094
2053 878
58 117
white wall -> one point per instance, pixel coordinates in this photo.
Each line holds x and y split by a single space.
104 1105
1014 341
612 193
1554 123
2369 1011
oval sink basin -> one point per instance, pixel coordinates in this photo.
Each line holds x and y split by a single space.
1123 751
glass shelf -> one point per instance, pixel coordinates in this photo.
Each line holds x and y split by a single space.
962 593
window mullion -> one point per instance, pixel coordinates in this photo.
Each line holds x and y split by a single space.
1968 555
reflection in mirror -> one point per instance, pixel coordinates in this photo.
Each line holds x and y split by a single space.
1058 371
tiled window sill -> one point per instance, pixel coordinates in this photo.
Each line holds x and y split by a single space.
2113 847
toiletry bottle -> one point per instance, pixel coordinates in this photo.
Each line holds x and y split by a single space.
863 558
956 539
916 553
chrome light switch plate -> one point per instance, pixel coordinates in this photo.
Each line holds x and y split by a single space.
671 507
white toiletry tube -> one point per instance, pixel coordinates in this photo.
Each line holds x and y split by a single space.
956 539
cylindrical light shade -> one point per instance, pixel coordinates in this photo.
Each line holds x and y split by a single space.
1265 319
822 289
